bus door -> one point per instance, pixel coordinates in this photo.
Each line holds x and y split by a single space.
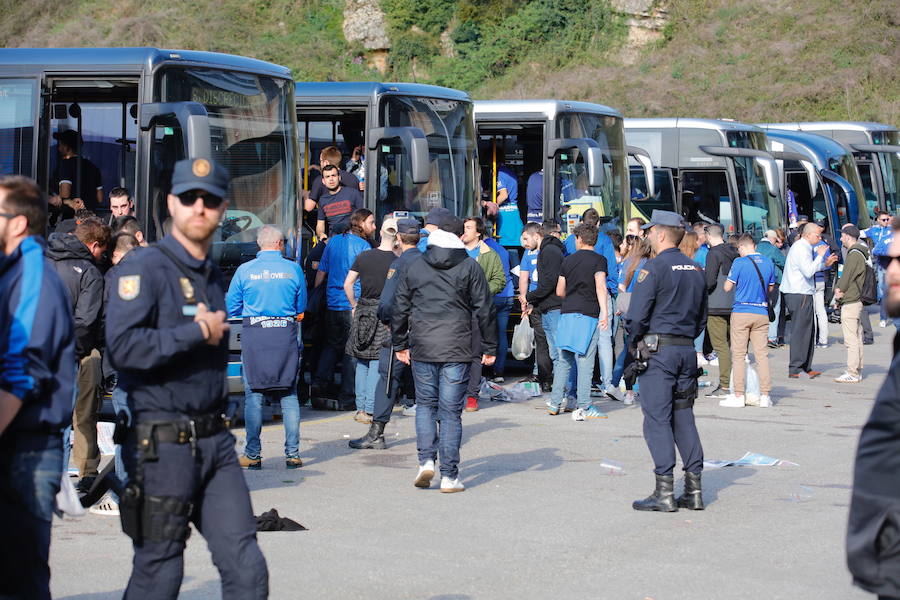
663 198
705 197
516 149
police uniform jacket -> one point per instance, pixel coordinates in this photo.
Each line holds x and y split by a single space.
669 297
165 365
37 346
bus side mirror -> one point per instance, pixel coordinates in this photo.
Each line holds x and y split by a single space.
415 143
770 172
190 117
643 157
590 151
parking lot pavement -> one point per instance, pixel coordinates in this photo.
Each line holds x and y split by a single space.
540 517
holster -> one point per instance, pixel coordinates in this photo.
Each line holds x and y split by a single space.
684 398
131 508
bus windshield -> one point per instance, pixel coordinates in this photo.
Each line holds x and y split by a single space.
890 169
449 127
251 120
574 192
759 210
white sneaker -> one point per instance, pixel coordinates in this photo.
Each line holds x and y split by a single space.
732 401
701 360
578 414
847 378
409 411
106 507
629 398
765 401
449 486
426 472
882 323
614 393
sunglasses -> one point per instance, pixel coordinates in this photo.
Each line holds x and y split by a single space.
189 198
885 261
885 219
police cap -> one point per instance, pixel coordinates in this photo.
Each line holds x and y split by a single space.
664 217
408 225
437 216
199 174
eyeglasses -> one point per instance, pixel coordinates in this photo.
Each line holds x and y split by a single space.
885 261
189 198
8 215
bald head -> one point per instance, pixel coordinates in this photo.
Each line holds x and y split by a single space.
269 238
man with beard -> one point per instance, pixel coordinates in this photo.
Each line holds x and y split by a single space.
873 554
167 335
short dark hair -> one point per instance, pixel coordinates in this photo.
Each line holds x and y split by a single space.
120 192
126 224
880 212
356 220
746 238
615 236
586 233
479 226
548 227
124 242
454 225
533 228
409 239
591 217
673 234
93 230
329 168
716 229
25 198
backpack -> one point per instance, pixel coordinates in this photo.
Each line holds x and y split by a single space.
868 288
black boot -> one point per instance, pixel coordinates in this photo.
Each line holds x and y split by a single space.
662 499
692 497
373 440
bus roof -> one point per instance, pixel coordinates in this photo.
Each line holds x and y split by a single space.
546 108
681 122
818 147
831 126
336 91
90 59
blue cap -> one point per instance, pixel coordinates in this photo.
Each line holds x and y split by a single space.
200 174
664 217
408 225
437 216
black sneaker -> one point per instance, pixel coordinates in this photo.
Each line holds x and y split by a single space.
718 392
85 484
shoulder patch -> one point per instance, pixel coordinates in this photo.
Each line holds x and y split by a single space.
643 275
391 272
129 287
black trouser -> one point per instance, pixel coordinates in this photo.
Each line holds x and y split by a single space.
866 321
803 331
336 333
401 376
782 320
541 349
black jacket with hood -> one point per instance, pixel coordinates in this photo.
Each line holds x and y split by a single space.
435 301
718 264
549 264
84 282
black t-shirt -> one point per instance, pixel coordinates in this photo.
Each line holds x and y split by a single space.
317 189
84 187
335 209
372 266
581 290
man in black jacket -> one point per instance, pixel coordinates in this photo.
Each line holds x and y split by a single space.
74 257
544 299
718 263
432 324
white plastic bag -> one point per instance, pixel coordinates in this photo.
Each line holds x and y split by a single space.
751 387
523 339
67 501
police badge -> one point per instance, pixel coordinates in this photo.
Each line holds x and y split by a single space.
187 289
129 287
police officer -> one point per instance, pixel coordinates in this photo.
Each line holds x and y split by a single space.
167 335
390 376
668 309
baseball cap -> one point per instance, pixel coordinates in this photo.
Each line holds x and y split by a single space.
408 225
664 217
200 174
389 223
437 216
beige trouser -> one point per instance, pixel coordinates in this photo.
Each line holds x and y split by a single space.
85 450
850 315
750 328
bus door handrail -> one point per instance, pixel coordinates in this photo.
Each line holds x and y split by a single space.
643 157
763 158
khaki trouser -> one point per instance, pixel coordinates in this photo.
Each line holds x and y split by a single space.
85 450
717 327
752 328
850 324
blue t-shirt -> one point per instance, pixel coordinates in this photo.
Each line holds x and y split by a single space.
604 248
749 295
534 196
529 265
700 255
509 223
340 253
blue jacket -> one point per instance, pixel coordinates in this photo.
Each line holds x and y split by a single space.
269 286
340 252
37 343
604 248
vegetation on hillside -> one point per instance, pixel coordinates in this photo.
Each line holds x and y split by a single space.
753 61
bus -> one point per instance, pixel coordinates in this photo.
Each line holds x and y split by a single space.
574 152
416 142
138 111
876 150
714 171
819 174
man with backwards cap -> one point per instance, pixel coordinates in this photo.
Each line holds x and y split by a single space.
667 311
433 221
167 336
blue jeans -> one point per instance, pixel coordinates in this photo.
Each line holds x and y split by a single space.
29 482
503 306
882 289
440 394
605 347
290 415
120 403
550 320
569 361
366 381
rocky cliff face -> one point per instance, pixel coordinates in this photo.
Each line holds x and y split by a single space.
364 22
645 19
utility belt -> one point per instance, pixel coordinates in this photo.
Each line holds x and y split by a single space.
162 518
650 344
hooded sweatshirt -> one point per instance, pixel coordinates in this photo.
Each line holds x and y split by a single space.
435 300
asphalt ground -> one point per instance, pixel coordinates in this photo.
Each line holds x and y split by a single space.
541 517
